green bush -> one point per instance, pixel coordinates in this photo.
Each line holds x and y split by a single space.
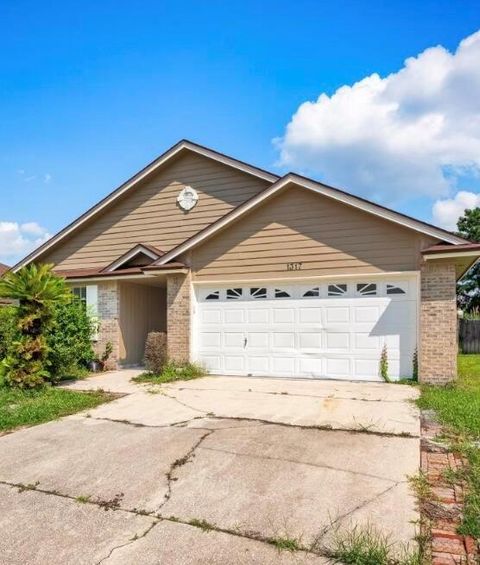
69 341
8 329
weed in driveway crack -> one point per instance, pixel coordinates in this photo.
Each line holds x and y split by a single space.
179 463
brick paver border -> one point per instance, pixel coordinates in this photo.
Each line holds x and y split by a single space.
444 511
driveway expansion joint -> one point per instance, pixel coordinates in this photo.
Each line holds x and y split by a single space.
293 394
261 421
320 427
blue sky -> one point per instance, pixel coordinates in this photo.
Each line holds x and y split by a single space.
92 91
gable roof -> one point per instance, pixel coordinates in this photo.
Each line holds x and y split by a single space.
139 249
3 269
182 146
292 179
278 184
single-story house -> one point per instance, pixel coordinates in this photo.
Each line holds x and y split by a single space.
251 273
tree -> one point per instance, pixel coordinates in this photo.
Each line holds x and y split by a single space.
37 290
468 289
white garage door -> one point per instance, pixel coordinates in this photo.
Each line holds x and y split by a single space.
326 329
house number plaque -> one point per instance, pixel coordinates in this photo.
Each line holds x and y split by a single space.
294 266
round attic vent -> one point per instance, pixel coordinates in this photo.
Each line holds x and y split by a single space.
187 198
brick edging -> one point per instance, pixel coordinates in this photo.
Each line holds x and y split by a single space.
443 511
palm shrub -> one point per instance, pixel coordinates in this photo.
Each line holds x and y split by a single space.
37 290
8 328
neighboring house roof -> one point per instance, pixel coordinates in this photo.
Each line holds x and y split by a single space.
292 179
277 185
440 250
3 269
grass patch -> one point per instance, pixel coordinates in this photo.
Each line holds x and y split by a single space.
173 372
202 524
363 545
458 404
30 407
420 485
285 544
458 408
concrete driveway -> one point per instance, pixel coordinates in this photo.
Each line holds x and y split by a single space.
208 472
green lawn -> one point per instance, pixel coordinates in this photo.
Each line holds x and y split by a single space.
458 407
26 408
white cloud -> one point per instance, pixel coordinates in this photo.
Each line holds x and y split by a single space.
45 178
17 240
446 212
408 134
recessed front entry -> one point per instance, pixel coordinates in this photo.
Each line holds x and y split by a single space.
335 329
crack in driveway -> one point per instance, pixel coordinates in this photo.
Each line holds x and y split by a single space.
295 462
291 394
129 542
180 463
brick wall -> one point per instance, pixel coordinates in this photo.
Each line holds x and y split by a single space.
108 314
178 316
438 323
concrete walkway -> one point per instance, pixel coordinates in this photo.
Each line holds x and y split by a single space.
207 471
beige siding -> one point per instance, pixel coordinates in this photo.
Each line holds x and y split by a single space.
327 237
150 214
142 310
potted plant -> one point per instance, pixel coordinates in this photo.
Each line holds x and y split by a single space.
98 363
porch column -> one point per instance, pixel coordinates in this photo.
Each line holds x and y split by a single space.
108 317
438 323
178 316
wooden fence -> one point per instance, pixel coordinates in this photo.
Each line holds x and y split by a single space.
469 336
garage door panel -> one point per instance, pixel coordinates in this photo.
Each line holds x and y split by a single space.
317 335
337 367
366 314
283 365
310 340
336 314
337 340
258 340
283 340
310 315
211 339
258 365
234 316
212 363
365 341
211 316
258 316
283 315
234 339
234 363
311 367
368 368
